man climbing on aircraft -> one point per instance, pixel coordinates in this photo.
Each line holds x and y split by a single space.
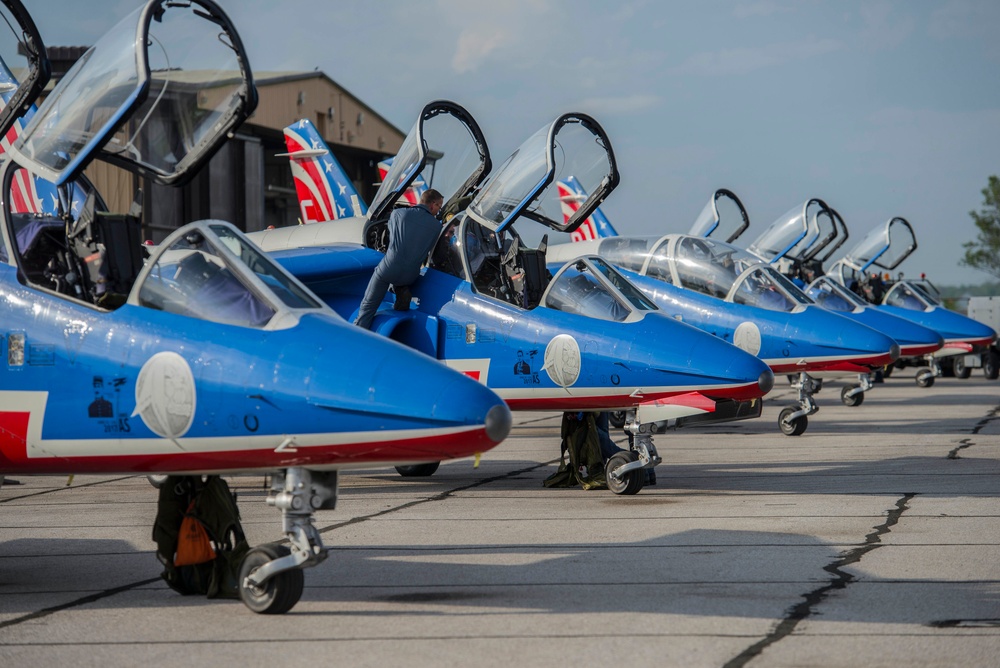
412 233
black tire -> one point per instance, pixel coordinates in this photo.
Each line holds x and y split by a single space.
157 480
991 365
617 419
280 593
792 427
947 370
924 378
418 470
852 400
959 368
632 481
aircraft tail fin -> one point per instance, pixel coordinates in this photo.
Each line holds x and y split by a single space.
597 226
323 188
413 193
29 193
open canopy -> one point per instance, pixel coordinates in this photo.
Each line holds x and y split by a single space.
157 95
723 216
525 184
24 66
447 146
794 234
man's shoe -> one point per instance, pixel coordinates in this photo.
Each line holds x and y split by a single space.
403 297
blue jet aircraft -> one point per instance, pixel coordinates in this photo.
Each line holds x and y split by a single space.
883 249
582 340
794 242
208 357
736 296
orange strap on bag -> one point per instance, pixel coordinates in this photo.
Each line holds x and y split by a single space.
193 544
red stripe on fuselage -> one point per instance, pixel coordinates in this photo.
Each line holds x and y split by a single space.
13 435
419 449
623 401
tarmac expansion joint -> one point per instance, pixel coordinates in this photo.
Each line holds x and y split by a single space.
839 580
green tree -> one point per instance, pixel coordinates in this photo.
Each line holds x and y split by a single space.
984 253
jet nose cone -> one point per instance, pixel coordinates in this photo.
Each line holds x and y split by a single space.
766 381
894 351
498 423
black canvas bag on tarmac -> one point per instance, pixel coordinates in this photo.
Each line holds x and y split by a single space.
215 508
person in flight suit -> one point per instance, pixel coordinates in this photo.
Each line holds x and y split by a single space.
412 233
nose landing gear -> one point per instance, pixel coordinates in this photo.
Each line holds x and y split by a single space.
794 419
626 472
271 580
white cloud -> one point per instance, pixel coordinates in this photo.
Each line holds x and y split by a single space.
475 47
741 61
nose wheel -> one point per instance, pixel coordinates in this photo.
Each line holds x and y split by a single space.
790 423
624 481
271 579
854 395
793 420
278 594
626 472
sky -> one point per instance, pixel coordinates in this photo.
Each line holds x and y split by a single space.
880 108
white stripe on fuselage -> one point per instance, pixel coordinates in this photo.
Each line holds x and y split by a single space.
34 404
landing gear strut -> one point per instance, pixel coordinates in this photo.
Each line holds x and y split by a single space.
854 395
271 578
794 419
626 471
926 375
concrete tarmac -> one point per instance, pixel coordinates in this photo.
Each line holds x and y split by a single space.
871 540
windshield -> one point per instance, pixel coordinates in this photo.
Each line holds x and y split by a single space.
910 297
927 289
834 297
579 289
724 217
193 85
764 287
211 272
290 293
631 293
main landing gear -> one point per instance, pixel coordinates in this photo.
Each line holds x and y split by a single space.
794 419
270 579
418 470
626 471
854 395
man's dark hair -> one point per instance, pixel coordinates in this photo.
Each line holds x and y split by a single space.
430 195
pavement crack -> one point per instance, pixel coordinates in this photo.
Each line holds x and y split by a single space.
839 580
90 598
968 442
